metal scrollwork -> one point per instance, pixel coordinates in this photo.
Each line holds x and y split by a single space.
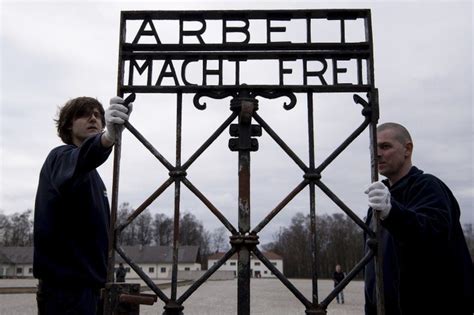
212 94
272 94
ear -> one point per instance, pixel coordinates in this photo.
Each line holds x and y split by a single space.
408 149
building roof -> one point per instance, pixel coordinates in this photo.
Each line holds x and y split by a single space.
268 255
139 254
162 254
16 255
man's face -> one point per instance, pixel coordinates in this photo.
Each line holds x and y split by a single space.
85 126
393 156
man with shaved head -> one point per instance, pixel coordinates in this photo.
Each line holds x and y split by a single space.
427 268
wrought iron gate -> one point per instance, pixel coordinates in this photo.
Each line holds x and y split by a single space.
322 63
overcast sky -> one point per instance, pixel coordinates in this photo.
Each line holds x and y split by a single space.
56 50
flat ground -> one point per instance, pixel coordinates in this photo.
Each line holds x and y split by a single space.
268 296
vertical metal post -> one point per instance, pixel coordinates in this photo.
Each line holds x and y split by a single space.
115 182
380 296
173 308
244 272
246 106
312 199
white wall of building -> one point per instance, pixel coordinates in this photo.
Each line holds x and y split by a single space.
23 271
257 267
159 271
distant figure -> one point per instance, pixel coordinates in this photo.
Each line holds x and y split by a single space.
120 273
427 268
337 277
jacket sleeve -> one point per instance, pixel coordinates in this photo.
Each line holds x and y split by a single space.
426 215
71 163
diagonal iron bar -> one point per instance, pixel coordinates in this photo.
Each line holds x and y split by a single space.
280 206
149 146
351 275
280 142
142 275
211 207
205 276
211 139
282 278
344 145
145 204
344 207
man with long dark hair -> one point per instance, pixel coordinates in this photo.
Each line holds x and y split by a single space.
72 210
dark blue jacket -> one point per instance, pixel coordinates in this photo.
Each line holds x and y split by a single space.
72 216
425 242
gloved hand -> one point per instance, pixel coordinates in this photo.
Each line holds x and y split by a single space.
115 117
379 198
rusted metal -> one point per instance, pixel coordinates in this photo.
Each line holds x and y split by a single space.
282 278
125 298
380 296
351 275
114 204
312 201
145 299
137 58
206 276
245 106
142 275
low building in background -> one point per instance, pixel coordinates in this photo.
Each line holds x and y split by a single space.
258 269
155 261
16 262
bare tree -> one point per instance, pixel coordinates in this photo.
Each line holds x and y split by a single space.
192 232
129 234
162 230
220 240
17 229
144 228
338 241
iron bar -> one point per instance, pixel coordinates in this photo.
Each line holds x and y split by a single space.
380 296
209 141
351 275
210 206
137 299
113 211
344 207
114 204
205 276
140 53
177 199
330 14
145 204
149 146
344 145
282 278
107 307
142 275
246 107
280 142
280 206
234 49
312 201
340 88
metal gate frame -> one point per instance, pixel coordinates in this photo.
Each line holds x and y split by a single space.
244 107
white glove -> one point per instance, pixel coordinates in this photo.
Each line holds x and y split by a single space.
115 117
379 198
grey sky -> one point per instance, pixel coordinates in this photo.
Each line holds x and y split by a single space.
53 51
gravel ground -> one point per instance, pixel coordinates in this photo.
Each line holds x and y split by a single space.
268 296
